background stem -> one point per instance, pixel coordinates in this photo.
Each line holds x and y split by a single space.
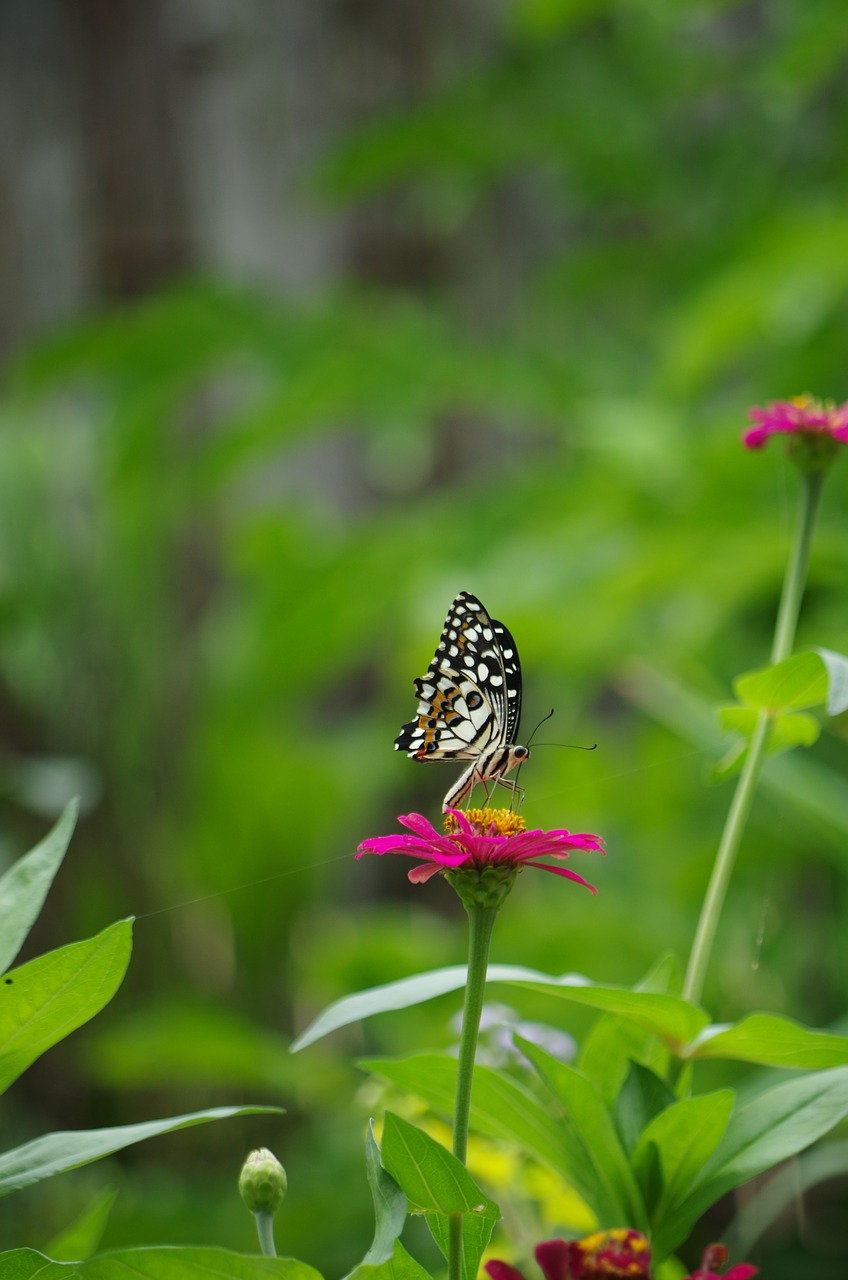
737 817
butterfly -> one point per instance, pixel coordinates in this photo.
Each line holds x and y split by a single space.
469 702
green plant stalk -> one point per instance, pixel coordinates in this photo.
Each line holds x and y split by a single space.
265 1231
481 920
737 816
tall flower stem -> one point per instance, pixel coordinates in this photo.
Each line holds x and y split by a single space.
481 920
737 817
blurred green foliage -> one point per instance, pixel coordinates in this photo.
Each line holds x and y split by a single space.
231 524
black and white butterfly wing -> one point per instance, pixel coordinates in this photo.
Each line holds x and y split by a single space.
470 699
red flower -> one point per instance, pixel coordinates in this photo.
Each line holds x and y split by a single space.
479 840
715 1256
604 1255
803 415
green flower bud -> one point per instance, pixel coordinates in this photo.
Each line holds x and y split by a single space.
263 1182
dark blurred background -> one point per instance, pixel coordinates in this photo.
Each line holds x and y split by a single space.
313 314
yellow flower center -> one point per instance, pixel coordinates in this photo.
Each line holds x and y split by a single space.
488 822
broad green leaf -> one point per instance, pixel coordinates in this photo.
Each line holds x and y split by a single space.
607 1181
82 1237
673 1019
501 1108
611 1045
382 999
389 1204
25 885
837 681
642 1097
772 1041
614 1042
793 729
678 1142
58 1152
797 682
399 1266
770 1127
432 1178
47 999
161 1263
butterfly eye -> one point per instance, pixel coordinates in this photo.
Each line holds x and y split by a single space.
521 753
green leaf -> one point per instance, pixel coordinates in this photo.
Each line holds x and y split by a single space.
837 681
794 729
501 1108
678 1142
25 885
81 1239
58 1152
432 1178
764 1130
673 1019
614 1042
392 995
797 682
642 1097
772 1041
389 1204
400 1266
476 1233
47 999
159 1263
605 1175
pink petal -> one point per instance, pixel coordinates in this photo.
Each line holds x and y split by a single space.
502 1270
420 875
563 871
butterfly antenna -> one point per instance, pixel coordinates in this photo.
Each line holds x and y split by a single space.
538 727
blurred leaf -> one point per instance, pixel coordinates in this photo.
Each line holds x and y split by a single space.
607 1182
774 1197
837 681
772 1041
774 1125
796 729
173 1263
81 1238
643 1096
797 682
58 1152
389 1204
678 1141
25 885
48 998
670 1017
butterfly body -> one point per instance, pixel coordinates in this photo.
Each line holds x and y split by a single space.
469 702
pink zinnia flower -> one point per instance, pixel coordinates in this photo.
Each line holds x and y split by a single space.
604 1255
715 1256
802 415
480 840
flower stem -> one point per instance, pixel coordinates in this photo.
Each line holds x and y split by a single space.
737 816
481 920
265 1231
